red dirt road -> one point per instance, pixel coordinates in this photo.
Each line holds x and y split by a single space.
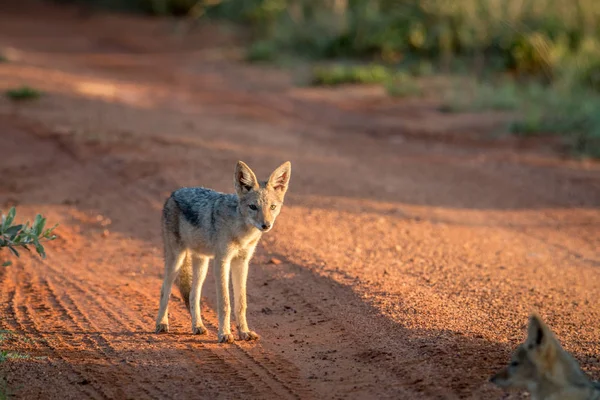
408 265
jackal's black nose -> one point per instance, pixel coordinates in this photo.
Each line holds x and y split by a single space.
266 226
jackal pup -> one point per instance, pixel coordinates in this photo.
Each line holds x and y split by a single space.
543 368
199 224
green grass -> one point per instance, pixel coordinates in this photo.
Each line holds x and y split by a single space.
572 114
261 51
569 112
5 334
6 355
482 96
530 36
349 74
526 35
6 392
554 41
403 85
23 93
421 68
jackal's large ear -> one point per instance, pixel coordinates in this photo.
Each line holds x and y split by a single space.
280 178
541 343
244 179
537 332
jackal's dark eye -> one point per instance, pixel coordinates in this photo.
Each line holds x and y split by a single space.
514 364
253 207
273 206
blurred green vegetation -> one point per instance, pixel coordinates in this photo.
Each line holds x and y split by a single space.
528 36
340 74
552 39
570 112
403 85
553 43
23 93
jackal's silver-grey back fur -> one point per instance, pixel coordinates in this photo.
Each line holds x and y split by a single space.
200 224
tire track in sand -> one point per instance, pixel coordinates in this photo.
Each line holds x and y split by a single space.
26 320
259 370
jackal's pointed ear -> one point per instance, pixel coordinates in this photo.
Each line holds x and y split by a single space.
244 179
280 178
541 344
537 332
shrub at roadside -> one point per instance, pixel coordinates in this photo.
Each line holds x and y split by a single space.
23 93
23 235
341 74
571 112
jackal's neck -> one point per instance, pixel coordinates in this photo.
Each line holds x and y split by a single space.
548 390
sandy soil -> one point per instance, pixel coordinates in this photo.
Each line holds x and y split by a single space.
412 246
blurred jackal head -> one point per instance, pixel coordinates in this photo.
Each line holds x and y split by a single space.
540 365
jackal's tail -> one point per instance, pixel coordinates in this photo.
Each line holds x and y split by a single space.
184 279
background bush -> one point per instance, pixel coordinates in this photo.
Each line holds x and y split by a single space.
13 236
529 36
552 43
532 37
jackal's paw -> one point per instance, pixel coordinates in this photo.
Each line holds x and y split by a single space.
226 338
199 330
249 335
162 328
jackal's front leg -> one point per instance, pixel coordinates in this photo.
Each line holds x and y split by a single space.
239 274
222 270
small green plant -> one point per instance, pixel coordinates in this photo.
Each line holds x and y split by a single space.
4 334
6 355
261 51
403 85
422 68
530 124
564 109
23 93
581 67
22 235
569 113
342 74
482 96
